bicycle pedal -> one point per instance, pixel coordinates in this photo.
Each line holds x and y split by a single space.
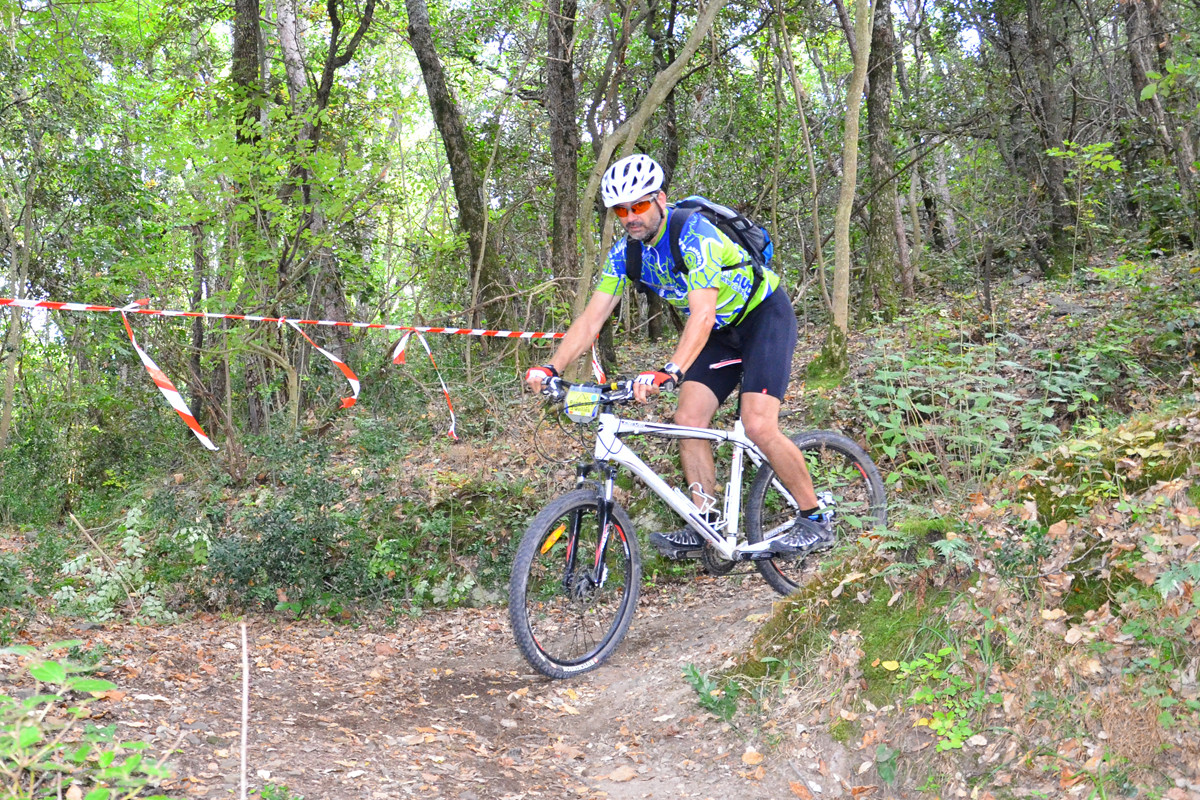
679 553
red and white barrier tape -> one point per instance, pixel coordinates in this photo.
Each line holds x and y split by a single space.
160 312
349 373
398 358
175 399
168 390
597 370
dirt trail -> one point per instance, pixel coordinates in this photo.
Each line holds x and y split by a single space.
442 706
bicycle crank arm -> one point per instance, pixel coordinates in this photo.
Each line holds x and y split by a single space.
760 551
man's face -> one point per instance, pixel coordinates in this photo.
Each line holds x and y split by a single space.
642 226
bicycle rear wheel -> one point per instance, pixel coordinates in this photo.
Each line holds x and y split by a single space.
838 466
565 621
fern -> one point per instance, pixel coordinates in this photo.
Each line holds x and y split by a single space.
1175 576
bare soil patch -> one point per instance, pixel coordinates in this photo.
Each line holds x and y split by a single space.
441 705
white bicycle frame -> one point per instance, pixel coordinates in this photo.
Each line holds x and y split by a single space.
724 536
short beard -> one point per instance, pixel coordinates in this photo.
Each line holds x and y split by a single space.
652 230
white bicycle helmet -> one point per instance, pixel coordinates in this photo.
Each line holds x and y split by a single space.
629 179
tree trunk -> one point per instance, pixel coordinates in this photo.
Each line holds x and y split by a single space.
321 277
20 251
244 70
885 250
908 276
798 93
1049 121
863 12
627 134
199 270
244 66
468 190
664 54
1143 44
945 233
562 108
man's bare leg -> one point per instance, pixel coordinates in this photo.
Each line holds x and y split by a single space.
697 405
760 415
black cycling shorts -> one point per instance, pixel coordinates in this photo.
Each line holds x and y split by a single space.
765 342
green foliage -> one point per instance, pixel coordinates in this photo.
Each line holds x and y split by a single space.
405 564
1179 74
274 791
44 748
1087 163
297 540
919 544
954 704
720 698
1079 473
949 408
99 585
886 759
941 414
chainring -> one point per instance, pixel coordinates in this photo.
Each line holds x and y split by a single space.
713 562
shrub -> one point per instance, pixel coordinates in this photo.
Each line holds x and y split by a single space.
45 751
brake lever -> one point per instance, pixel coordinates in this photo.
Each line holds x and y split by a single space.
553 389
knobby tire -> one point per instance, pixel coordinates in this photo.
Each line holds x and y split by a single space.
563 622
837 465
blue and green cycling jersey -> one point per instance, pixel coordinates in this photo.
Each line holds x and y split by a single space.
710 256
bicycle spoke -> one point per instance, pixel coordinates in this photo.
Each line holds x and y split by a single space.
567 611
840 471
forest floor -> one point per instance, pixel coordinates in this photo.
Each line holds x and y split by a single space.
441 705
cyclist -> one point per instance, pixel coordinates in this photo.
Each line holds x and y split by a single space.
712 295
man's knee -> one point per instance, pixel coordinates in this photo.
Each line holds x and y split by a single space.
761 428
697 406
693 416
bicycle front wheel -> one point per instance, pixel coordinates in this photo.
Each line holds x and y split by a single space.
840 470
573 592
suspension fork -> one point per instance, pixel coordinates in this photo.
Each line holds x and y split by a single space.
604 504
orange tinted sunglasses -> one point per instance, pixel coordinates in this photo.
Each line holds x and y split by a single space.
640 207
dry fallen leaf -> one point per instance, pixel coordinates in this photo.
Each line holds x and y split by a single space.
752 757
851 578
800 790
567 750
621 775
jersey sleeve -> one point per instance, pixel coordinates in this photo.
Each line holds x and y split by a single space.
612 278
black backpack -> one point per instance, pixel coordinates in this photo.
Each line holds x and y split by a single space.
752 238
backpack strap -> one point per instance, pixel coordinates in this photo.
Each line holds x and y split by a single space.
633 264
677 219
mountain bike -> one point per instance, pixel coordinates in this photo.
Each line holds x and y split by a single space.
578 568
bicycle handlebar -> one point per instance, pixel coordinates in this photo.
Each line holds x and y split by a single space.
615 392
